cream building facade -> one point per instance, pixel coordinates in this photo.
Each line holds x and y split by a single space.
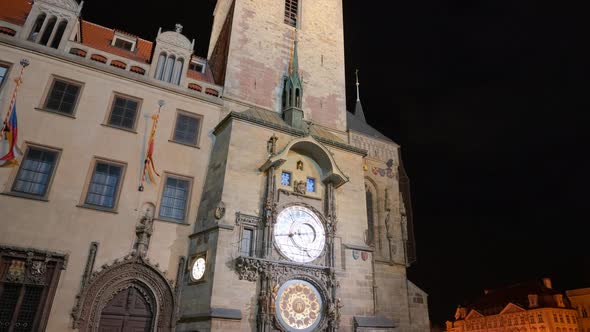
532 306
274 209
580 300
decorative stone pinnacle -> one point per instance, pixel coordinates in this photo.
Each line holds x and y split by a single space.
178 27
358 95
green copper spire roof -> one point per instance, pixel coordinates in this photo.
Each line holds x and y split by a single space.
294 68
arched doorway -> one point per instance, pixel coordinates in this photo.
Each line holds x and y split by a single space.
129 310
132 279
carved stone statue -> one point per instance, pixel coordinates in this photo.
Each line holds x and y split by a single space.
299 187
388 226
219 211
263 302
300 165
143 233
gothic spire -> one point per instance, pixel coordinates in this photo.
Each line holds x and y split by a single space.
294 67
358 110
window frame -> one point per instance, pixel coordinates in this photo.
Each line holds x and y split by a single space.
114 97
8 67
190 180
315 184
47 94
84 197
290 178
58 263
200 117
131 40
45 196
197 63
297 16
246 225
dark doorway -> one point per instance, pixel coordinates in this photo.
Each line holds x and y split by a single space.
128 311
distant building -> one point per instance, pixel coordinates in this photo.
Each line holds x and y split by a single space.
532 306
580 300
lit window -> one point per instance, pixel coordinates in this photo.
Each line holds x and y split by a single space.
123 112
286 179
35 173
62 97
291 12
310 185
104 185
246 244
175 198
186 130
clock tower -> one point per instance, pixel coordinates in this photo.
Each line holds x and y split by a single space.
283 240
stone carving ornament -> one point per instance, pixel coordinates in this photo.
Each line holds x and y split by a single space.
65 4
133 271
175 39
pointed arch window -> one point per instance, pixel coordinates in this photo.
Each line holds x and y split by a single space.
370 215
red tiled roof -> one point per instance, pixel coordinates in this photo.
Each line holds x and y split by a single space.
15 11
100 38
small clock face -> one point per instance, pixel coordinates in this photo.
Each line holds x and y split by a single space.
299 234
198 269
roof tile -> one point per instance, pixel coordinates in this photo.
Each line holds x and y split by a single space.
15 11
100 38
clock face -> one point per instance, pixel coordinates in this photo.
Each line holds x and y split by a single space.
198 269
298 306
299 234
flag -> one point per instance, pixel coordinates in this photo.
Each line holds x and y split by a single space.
149 169
10 131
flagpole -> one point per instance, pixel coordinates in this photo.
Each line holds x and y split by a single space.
24 63
145 161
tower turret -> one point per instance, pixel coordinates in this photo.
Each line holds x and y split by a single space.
293 93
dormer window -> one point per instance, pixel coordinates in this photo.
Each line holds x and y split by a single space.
123 42
197 65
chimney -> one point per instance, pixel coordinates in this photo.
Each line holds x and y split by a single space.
547 282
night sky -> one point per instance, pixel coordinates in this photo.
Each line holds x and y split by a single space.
489 101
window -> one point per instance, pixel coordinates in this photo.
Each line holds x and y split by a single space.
186 130
36 171
123 44
63 96
195 66
123 112
370 214
285 178
310 185
175 198
246 244
103 189
3 73
291 12
27 283
539 318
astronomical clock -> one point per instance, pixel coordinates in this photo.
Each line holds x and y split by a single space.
295 265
